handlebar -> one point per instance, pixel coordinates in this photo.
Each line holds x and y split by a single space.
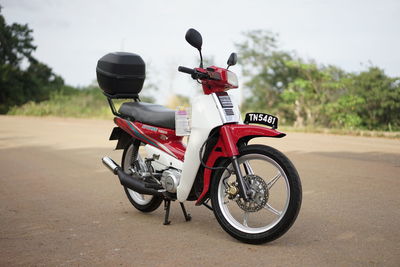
211 77
186 70
194 73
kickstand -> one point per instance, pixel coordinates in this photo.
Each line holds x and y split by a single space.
187 216
167 206
205 203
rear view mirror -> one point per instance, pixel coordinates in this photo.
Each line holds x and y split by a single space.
232 60
194 38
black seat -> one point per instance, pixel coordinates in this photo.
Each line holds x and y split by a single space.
147 113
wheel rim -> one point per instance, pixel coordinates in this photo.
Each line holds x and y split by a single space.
276 204
138 198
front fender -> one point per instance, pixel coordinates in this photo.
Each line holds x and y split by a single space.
230 136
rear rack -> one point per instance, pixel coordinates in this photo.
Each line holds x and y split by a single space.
119 96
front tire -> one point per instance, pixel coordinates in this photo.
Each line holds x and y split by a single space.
276 198
144 203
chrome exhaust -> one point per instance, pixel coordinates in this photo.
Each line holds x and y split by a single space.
133 182
110 164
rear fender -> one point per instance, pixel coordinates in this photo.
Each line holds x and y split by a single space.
123 137
231 136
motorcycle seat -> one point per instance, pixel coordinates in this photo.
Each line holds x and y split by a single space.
155 115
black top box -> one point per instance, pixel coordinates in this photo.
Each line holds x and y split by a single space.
121 74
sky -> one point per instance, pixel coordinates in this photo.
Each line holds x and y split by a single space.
71 35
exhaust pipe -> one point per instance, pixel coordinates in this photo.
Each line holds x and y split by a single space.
111 165
132 182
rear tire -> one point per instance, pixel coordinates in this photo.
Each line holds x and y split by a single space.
144 203
274 207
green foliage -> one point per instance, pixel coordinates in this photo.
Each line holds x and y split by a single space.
88 102
69 102
301 92
16 43
36 90
18 85
260 60
304 93
344 111
381 94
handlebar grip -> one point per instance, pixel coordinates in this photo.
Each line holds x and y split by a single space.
186 70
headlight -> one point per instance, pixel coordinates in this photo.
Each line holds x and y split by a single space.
232 79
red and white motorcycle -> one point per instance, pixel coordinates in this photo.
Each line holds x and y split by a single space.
255 190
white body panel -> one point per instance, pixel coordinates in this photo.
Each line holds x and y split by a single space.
165 160
206 115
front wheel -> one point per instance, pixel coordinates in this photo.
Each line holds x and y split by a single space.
275 195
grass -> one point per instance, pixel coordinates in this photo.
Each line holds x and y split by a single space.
91 103
341 131
88 103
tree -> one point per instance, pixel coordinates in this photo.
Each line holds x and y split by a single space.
309 93
17 85
265 68
16 43
381 95
306 93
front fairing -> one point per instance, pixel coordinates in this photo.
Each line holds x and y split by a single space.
206 115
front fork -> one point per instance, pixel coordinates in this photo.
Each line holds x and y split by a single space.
243 186
227 146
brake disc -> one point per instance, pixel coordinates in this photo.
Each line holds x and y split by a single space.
259 198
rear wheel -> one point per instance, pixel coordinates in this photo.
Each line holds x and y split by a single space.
144 203
275 201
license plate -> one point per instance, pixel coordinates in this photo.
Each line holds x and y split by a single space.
262 118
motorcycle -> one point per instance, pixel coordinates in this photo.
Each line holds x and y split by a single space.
254 190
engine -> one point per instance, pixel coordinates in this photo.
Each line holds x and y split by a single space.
170 179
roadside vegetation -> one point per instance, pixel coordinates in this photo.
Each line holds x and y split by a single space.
305 95
69 102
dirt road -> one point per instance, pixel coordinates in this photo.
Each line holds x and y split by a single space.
60 207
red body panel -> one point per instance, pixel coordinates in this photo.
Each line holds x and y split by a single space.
162 138
229 136
166 140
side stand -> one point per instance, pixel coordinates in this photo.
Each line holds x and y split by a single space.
167 207
187 216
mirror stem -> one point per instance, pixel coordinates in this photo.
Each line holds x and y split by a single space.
201 59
